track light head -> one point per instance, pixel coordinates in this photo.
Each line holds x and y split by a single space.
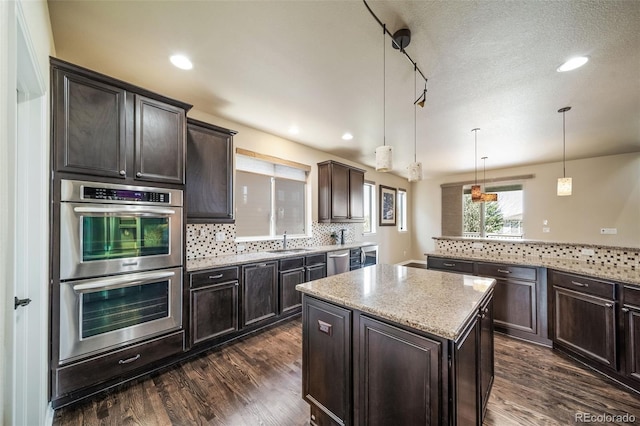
422 99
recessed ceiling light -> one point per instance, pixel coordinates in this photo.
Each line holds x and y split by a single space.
294 130
573 63
347 136
181 62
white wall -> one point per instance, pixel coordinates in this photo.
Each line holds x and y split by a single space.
606 194
394 246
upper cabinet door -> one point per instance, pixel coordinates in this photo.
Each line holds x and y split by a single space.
356 194
89 126
209 183
159 141
339 192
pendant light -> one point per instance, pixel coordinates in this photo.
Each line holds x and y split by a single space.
564 183
484 197
384 153
415 168
476 191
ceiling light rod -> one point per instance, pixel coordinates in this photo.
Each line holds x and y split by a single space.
396 45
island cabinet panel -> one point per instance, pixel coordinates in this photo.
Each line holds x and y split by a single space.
585 324
340 193
89 125
486 351
387 391
326 362
516 307
209 180
259 292
631 326
467 390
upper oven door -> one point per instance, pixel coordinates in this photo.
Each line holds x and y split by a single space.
104 239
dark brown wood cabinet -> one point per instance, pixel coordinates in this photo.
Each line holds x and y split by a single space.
214 304
631 321
326 362
340 193
467 389
106 127
387 392
259 292
450 265
209 180
315 266
486 363
292 273
585 317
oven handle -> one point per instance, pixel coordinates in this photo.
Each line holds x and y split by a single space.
135 211
115 283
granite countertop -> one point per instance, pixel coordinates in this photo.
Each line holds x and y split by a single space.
439 303
263 256
615 273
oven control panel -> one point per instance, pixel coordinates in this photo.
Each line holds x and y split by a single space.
94 193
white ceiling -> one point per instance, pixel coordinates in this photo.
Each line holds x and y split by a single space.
318 65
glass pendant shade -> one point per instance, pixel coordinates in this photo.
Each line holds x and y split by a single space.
564 186
415 172
476 193
384 158
489 197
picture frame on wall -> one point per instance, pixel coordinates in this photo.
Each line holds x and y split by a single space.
387 208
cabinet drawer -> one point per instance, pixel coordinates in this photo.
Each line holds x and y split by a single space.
453 265
112 365
506 271
213 276
631 296
355 252
315 259
584 285
291 263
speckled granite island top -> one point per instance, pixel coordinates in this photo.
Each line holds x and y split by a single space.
435 302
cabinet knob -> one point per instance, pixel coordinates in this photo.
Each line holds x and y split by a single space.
139 174
122 173
609 305
625 309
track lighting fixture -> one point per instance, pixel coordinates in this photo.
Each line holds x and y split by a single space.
476 191
564 183
421 100
384 153
415 168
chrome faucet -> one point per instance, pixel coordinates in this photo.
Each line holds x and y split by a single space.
342 236
284 241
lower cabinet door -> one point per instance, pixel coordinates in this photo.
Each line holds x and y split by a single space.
315 272
486 352
632 336
389 393
585 324
326 361
515 307
290 298
214 311
259 292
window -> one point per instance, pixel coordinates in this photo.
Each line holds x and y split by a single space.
270 199
402 210
495 219
369 226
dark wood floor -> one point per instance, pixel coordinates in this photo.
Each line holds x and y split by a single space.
257 382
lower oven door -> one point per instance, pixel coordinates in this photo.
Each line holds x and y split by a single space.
104 239
106 313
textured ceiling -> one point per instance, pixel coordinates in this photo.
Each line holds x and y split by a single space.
318 65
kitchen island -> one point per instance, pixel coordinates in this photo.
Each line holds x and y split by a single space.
387 344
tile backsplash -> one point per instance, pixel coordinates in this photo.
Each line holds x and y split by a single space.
201 239
602 255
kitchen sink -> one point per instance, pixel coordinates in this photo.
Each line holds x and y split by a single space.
287 251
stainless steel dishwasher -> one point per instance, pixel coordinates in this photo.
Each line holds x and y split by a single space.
337 262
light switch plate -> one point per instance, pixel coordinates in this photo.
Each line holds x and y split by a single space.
587 252
609 231
546 229
477 245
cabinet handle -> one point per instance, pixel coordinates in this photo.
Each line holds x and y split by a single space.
504 271
129 360
609 305
625 310
325 327
450 265
139 174
215 277
264 265
122 173
579 284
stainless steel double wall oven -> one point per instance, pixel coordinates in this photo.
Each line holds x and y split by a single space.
120 265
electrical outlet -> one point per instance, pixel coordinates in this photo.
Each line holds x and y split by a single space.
477 245
240 248
588 252
546 229
609 231
219 236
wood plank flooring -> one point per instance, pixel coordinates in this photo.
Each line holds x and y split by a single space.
257 381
